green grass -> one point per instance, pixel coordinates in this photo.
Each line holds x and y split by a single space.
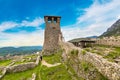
5 62
83 52
114 52
21 75
0 72
87 49
54 73
43 73
74 52
112 55
54 58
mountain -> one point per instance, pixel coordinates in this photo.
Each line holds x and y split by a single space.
114 30
20 50
92 37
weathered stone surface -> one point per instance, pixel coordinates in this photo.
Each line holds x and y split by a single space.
21 67
112 41
52 35
108 69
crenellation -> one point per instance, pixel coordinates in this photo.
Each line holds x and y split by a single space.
52 35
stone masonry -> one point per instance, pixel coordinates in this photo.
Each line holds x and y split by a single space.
109 69
111 41
53 35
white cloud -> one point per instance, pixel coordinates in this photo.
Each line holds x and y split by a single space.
98 16
7 25
10 24
35 23
23 39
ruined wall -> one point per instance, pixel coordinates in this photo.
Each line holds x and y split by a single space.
21 67
108 69
11 68
52 35
109 41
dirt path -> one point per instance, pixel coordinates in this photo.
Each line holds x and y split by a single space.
49 65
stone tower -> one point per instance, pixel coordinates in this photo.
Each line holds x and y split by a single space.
53 35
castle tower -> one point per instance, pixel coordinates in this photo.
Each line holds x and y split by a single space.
52 35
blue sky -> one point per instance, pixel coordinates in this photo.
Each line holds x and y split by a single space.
22 23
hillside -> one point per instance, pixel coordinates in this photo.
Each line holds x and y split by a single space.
20 50
114 30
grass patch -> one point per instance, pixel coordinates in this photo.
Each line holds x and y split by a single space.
54 58
5 62
21 75
87 49
0 72
83 52
54 73
112 55
108 52
43 73
74 52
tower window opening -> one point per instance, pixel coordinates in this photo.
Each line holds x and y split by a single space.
49 21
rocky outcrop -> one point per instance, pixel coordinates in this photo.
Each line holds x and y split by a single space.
114 30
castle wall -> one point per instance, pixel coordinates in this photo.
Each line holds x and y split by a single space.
109 69
109 41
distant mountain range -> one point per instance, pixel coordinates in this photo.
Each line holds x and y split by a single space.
92 37
20 50
114 30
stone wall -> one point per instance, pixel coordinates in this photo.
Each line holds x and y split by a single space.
109 41
21 67
108 69
24 66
